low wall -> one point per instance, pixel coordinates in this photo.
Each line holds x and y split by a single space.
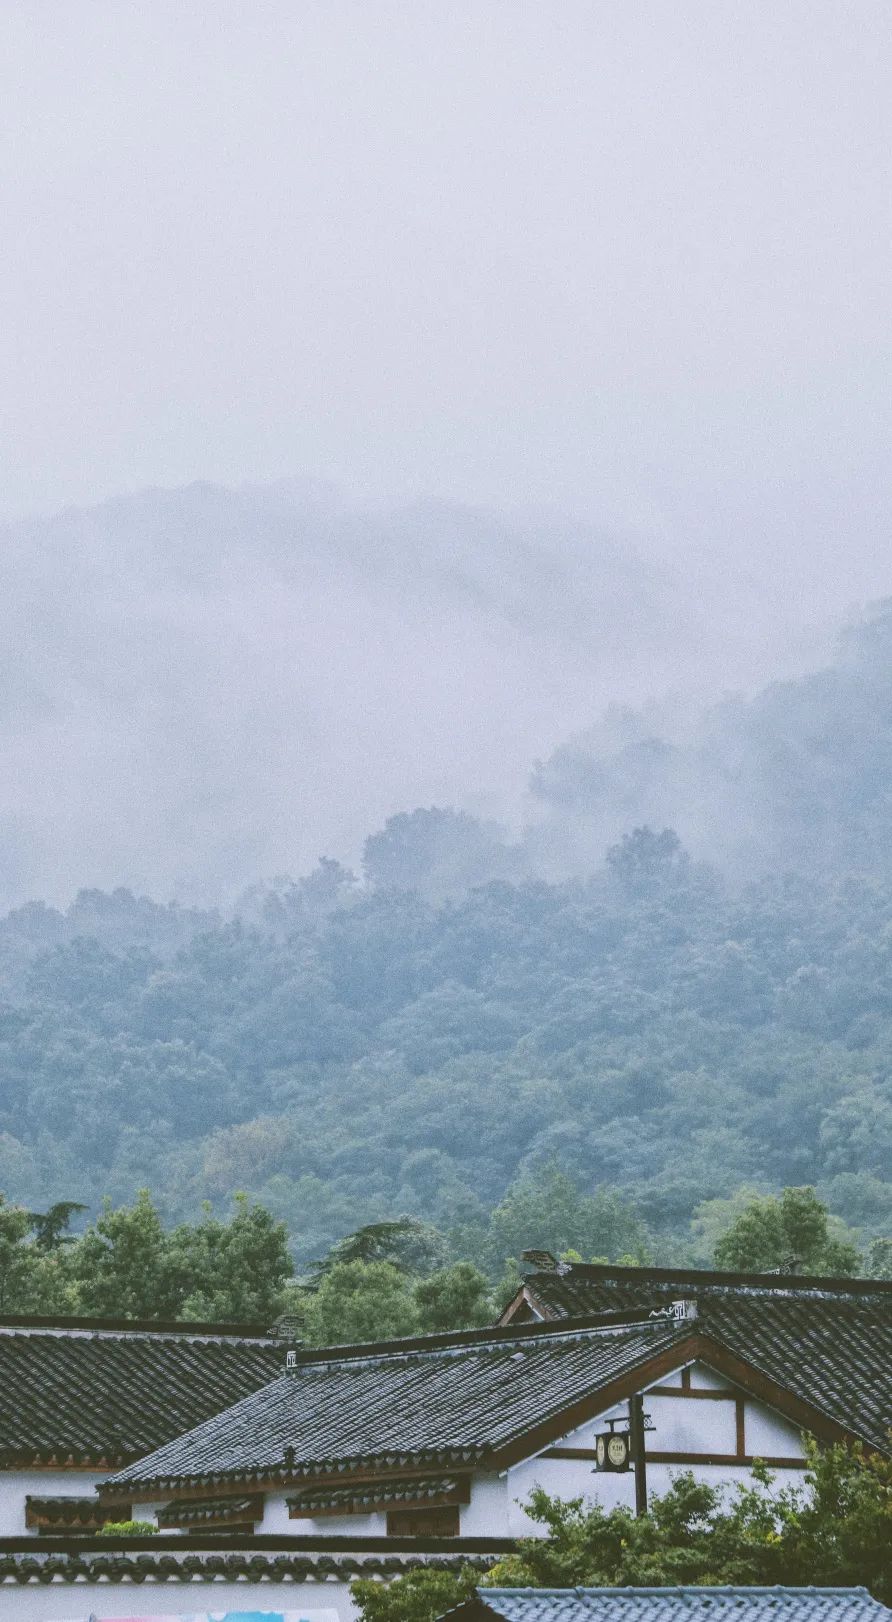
62 1579
312 1602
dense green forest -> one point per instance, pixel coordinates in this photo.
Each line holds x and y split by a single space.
434 1036
348 1055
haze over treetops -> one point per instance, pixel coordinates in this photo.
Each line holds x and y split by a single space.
417 1038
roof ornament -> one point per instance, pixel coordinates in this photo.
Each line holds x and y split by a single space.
677 1311
544 1262
286 1327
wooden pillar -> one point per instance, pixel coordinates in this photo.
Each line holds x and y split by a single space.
636 1442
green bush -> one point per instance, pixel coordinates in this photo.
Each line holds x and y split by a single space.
128 1529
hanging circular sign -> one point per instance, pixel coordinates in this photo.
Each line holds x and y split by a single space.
612 1450
618 1450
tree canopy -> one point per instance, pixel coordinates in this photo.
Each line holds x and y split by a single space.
384 1280
127 1264
654 1035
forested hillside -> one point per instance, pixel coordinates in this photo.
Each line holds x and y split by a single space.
417 1039
347 1054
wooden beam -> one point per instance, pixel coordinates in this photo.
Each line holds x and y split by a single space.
726 1459
657 1457
148 1492
693 1393
756 1384
740 1426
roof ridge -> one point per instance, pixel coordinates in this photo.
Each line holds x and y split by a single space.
700 1277
491 1334
134 1328
685 1588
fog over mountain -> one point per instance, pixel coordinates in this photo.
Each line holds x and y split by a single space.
205 687
794 779
578 317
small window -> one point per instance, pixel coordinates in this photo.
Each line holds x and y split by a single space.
423 1523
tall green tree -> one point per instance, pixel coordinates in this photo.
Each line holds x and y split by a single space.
359 1301
789 1234
31 1279
51 1227
15 1258
124 1267
457 1297
408 1244
546 1210
235 1270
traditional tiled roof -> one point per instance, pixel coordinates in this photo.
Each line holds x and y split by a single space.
100 1396
379 1495
62 1514
455 1402
212 1511
828 1341
671 1605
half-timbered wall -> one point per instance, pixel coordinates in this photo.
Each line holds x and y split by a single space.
704 1425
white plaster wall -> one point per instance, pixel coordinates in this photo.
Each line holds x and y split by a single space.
57 1602
148 1512
17 1485
768 1434
705 1379
489 1512
690 1426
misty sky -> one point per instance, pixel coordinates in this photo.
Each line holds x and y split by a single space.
627 260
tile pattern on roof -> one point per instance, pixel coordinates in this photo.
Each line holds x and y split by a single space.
211 1511
401 1490
446 1406
60 1513
676 1605
88 1398
830 1346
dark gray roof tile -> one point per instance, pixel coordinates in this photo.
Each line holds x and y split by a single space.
673 1605
827 1341
103 1395
362 1497
447 1405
